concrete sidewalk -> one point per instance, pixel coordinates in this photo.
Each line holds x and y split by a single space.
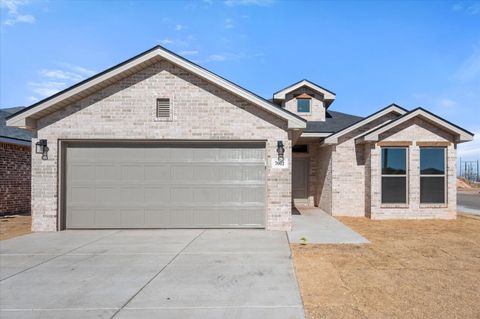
149 274
317 227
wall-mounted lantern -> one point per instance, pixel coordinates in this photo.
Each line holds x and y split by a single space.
42 148
280 152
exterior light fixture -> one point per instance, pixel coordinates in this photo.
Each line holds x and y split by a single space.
280 152
42 148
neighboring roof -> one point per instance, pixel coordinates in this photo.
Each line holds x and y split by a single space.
27 116
462 134
334 122
328 95
13 135
333 139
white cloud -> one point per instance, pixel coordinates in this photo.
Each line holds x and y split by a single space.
227 56
216 57
470 150
446 103
228 23
14 16
262 3
78 69
176 42
188 52
166 41
46 88
180 27
470 69
52 81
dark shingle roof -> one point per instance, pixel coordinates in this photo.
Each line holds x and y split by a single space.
12 132
334 122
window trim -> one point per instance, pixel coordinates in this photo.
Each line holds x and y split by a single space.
444 175
309 105
406 176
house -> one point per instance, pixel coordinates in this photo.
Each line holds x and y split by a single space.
15 161
160 142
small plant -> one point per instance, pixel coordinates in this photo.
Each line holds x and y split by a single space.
303 241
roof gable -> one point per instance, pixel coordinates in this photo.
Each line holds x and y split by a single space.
28 116
333 139
462 135
329 96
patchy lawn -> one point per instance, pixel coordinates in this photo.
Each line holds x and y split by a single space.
14 225
411 269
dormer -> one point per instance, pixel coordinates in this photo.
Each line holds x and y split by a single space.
306 99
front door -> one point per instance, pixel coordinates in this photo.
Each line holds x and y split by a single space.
300 179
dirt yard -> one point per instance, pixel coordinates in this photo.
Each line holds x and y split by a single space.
14 225
411 269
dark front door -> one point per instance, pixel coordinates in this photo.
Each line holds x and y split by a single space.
300 178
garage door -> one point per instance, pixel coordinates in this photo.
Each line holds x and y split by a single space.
165 186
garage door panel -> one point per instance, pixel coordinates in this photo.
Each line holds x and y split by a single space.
131 195
132 172
108 218
157 195
165 186
157 173
158 218
81 217
81 172
107 172
107 196
133 218
81 194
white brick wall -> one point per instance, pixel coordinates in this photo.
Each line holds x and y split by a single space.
126 110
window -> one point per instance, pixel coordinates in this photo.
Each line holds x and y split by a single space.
303 105
163 108
394 175
432 175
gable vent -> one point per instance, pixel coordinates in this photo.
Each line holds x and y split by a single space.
163 108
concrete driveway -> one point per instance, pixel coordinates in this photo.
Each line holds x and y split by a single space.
148 274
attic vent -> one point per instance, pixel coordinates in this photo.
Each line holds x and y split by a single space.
163 108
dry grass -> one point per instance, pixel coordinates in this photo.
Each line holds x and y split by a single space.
411 269
14 225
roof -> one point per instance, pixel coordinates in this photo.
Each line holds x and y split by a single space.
13 135
27 116
462 134
334 122
333 139
329 96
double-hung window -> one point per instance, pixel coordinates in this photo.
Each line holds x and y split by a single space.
432 175
394 175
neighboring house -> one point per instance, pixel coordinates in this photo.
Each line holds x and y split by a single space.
158 141
15 162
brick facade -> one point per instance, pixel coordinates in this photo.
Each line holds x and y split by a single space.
317 109
415 130
15 179
349 174
126 110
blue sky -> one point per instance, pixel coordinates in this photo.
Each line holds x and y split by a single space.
418 53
